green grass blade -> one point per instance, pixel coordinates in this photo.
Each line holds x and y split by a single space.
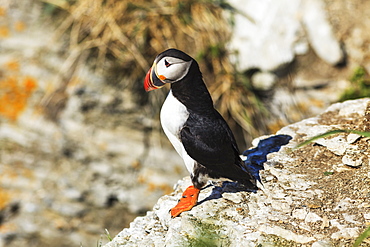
332 132
362 237
107 234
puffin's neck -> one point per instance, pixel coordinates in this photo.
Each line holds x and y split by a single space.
194 94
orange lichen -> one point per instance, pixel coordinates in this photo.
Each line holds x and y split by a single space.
141 179
12 65
4 31
14 96
14 171
19 26
4 198
2 11
7 227
29 84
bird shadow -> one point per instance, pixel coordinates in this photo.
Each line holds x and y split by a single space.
256 157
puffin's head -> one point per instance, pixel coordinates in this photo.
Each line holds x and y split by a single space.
170 66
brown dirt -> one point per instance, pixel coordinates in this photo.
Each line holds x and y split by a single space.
321 165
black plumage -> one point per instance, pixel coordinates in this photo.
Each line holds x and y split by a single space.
193 124
198 132
206 136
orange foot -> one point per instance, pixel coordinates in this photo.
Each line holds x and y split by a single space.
188 201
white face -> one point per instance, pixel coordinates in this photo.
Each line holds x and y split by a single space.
171 69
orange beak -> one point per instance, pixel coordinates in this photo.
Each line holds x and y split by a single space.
151 81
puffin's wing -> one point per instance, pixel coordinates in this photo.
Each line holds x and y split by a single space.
229 132
208 141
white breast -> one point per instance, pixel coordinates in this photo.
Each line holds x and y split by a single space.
173 117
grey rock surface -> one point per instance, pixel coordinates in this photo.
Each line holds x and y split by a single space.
268 36
82 151
70 159
304 199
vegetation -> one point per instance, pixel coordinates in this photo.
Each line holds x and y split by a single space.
100 242
332 132
206 234
362 237
360 86
124 37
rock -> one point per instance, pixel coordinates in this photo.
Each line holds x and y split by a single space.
347 160
256 44
367 216
320 33
300 213
268 36
322 243
337 145
263 80
312 217
351 138
77 156
293 208
344 232
69 158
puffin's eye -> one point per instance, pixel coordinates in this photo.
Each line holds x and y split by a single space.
171 69
166 63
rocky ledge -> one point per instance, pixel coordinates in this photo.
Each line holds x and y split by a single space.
318 195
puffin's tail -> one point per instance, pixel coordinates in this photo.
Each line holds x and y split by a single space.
257 156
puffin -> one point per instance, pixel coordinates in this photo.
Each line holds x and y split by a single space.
197 131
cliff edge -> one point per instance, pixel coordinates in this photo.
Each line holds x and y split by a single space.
317 195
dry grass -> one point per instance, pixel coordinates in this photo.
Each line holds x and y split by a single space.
131 33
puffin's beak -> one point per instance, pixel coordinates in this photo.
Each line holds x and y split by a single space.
151 81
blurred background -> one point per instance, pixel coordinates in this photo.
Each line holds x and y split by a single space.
81 148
